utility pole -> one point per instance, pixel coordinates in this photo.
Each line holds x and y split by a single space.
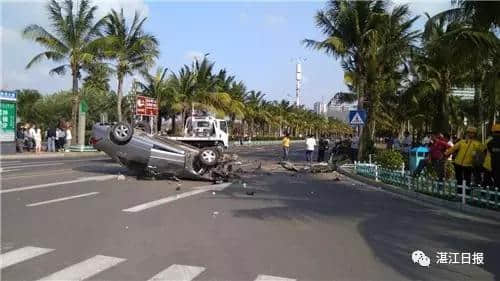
298 79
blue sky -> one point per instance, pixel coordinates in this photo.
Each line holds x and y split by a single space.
256 41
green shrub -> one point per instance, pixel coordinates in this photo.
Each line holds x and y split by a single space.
389 159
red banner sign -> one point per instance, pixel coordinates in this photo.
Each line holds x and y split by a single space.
146 106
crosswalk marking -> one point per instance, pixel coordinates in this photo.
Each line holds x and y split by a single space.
172 198
20 255
84 269
62 199
272 278
178 272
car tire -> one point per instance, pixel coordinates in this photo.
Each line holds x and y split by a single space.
142 125
209 156
121 133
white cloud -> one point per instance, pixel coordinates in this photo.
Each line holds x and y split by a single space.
194 55
275 19
17 51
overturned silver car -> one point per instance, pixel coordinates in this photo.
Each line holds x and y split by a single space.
155 155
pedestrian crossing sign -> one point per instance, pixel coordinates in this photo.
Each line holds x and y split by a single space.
357 117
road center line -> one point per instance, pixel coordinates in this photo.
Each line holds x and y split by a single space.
62 199
85 179
172 198
59 172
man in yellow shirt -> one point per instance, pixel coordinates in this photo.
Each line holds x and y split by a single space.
286 146
466 150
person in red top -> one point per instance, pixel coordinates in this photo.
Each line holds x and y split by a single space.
438 147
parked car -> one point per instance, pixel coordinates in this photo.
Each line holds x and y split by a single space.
157 155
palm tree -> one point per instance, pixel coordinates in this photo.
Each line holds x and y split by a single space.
155 86
372 45
130 47
74 42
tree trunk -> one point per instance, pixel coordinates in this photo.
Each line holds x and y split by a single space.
173 123
74 109
120 96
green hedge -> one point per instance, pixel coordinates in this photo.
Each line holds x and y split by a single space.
389 159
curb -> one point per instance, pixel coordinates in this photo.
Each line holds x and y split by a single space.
51 155
425 199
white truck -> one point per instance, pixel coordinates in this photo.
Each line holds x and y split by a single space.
205 131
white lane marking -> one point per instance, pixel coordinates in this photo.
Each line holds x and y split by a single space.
34 165
6 165
9 170
59 172
172 198
20 255
7 162
62 199
84 269
178 272
84 179
272 278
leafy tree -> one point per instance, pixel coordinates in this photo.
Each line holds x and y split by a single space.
26 100
129 46
73 42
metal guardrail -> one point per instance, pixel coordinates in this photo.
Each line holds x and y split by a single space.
270 142
449 190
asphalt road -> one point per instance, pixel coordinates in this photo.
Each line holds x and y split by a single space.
72 219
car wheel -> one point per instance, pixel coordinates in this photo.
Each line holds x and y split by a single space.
208 156
121 133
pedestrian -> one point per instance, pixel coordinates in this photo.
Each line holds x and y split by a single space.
427 140
407 142
466 149
68 138
323 146
51 139
31 137
354 148
396 143
493 147
38 140
438 148
285 143
19 139
310 144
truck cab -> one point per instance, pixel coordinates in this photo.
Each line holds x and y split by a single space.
205 131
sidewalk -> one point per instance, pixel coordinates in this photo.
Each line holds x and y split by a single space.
43 155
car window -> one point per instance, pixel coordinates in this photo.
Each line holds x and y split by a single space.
223 126
203 124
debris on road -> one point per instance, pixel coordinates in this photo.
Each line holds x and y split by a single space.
251 193
120 177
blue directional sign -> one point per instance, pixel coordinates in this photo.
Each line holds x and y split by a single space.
357 117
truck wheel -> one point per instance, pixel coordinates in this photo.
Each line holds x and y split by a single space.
142 125
121 133
209 156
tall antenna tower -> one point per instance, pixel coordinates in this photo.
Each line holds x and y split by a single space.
298 79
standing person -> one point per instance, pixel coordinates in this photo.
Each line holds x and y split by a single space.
310 144
407 142
68 138
19 139
438 148
323 146
466 149
285 143
31 137
493 147
37 136
354 148
396 143
58 138
51 139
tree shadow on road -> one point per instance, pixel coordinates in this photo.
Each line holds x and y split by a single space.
391 226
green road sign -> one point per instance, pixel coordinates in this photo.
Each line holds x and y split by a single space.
83 106
7 120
